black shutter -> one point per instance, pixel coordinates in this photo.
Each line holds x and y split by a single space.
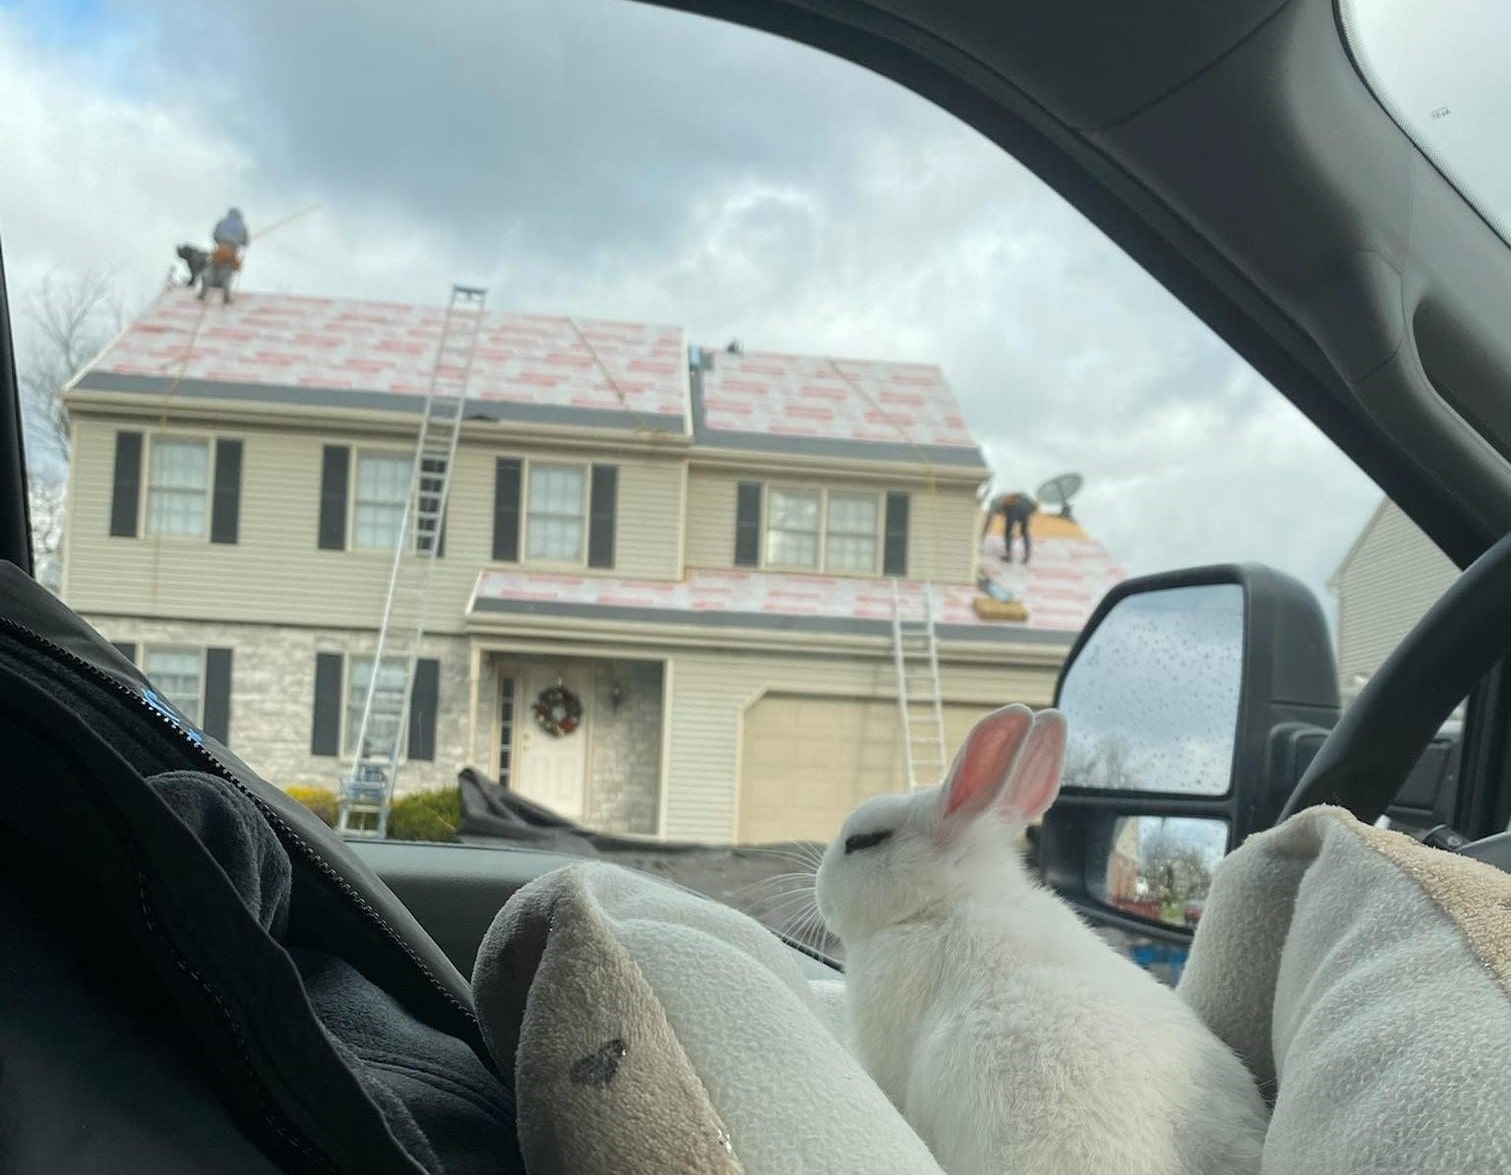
748 524
225 508
216 721
325 738
126 495
894 557
335 472
424 702
602 505
507 472
126 649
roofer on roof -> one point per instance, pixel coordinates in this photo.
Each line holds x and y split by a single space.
231 237
1016 509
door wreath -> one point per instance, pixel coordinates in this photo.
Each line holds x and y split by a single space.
558 711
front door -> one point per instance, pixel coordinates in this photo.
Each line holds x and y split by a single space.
547 769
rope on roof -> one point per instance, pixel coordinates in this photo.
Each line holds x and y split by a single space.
923 458
642 429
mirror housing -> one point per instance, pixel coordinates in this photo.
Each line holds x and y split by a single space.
1287 701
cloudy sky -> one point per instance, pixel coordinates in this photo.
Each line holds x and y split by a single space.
598 158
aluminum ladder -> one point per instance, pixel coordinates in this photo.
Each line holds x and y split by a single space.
367 789
915 650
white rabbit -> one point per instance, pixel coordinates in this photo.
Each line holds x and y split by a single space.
1013 1038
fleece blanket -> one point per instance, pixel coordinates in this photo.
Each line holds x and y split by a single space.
1366 980
652 1031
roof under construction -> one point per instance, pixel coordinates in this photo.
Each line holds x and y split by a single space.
537 369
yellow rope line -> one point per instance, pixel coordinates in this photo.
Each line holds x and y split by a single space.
167 399
162 427
642 429
923 457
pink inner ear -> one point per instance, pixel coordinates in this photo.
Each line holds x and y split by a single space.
985 760
1035 780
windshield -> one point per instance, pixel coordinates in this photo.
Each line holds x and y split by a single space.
1440 70
586 420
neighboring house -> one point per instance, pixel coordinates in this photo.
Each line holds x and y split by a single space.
1390 577
703 547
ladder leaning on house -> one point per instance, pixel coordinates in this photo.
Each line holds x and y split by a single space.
915 649
367 790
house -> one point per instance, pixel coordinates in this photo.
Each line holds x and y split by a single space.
1386 582
700 547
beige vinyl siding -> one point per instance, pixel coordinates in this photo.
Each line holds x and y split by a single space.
710 691
941 524
1390 579
276 571
711 517
942 535
647 542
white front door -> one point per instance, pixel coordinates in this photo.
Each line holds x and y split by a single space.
552 771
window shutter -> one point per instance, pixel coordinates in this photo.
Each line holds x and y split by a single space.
602 507
325 737
126 649
126 493
424 702
225 508
748 524
894 558
507 473
216 720
335 472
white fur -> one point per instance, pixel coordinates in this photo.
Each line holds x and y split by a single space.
1011 1037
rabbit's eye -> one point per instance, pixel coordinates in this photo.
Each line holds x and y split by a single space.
865 840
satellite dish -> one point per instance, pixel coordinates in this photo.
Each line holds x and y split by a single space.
1058 491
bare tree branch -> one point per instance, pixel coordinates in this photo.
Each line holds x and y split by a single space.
72 317
47 517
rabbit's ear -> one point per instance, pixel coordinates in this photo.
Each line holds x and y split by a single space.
1035 779
984 762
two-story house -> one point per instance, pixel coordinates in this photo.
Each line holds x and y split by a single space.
702 547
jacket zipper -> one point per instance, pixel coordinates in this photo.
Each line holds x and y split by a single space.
286 833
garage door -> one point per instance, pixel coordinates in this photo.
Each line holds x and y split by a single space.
806 762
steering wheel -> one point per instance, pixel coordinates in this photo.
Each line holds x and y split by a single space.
1372 750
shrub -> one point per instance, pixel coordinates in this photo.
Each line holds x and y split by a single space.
426 815
319 800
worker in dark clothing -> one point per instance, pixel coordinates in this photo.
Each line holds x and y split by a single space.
1016 510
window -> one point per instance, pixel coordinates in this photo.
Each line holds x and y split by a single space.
178 481
382 728
850 541
792 528
382 491
555 519
180 675
809 528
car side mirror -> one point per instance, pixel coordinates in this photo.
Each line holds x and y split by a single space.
1195 699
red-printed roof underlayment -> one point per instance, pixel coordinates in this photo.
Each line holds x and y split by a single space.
1060 589
341 344
1064 581
835 399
